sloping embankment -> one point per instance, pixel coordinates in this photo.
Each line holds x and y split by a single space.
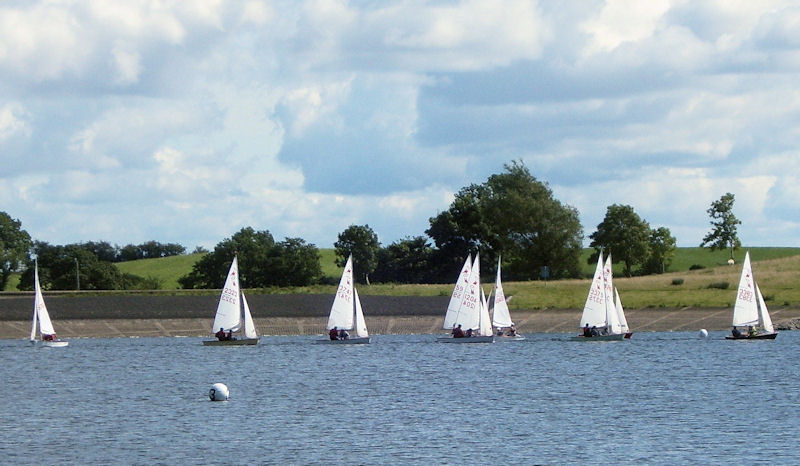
192 315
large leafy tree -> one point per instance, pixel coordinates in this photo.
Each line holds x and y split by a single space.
14 245
293 262
515 215
624 235
262 262
405 261
661 246
362 242
723 226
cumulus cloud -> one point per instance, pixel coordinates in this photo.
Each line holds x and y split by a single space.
184 121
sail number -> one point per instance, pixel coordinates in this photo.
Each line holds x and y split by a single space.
229 295
746 295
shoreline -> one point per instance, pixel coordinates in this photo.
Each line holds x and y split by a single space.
555 321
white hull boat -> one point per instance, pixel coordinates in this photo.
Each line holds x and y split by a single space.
467 309
603 315
346 312
41 318
750 311
501 316
233 315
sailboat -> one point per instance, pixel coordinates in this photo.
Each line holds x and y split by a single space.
501 317
467 310
233 316
346 312
750 309
601 320
42 317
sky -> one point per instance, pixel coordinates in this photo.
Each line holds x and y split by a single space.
129 121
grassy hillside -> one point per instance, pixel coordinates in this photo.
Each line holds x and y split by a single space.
167 270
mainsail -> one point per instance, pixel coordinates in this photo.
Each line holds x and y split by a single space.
501 317
229 312
452 317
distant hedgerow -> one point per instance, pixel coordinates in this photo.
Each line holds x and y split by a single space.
719 285
677 281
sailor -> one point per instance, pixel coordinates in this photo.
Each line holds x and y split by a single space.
220 335
587 332
457 332
735 332
333 334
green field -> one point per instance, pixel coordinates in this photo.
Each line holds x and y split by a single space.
776 269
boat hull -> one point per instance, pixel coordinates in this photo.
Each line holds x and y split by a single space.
477 339
349 341
504 338
760 336
615 337
239 342
55 344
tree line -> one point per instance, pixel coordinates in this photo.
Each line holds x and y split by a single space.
512 215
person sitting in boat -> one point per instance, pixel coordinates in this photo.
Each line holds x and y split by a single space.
594 331
343 335
499 331
333 334
587 332
457 332
220 335
229 336
735 332
512 331
47 337
751 331
468 333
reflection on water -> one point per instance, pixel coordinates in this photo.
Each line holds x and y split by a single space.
659 398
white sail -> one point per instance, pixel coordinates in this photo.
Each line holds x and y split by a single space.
612 317
501 317
763 313
485 325
745 311
249 325
40 309
360 324
452 317
228 315
342 314
594 311
623 322
469 311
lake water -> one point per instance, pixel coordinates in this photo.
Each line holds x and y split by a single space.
658 398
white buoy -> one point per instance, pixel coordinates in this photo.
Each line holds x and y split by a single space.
703 333
219 392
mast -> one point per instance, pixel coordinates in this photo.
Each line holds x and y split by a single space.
35 299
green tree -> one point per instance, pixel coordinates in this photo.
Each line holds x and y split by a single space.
293 262
253 249
514 214
405 261
724 224
624 235
262 262
72 267
662 250
14 245
362 243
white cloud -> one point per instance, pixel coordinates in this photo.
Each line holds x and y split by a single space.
184 121
12 121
